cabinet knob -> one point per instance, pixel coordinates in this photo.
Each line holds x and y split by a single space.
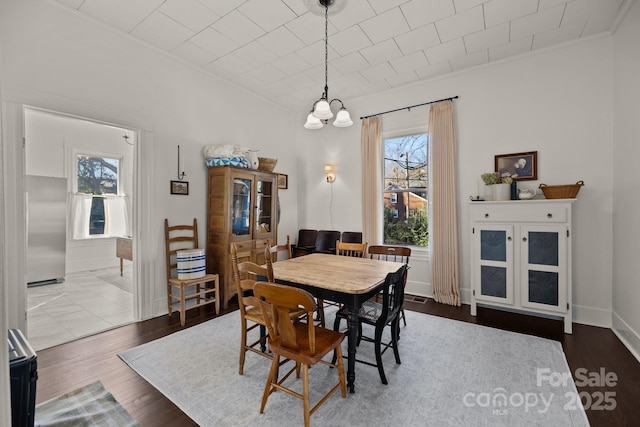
509 238
486 215
524 239
549 215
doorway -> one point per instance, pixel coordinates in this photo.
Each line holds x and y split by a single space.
86 292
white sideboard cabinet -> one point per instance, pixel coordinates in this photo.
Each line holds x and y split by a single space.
521 256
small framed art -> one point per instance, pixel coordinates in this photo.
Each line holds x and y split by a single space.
519 166
283 181
180 187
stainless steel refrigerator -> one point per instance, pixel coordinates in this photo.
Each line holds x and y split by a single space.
46 229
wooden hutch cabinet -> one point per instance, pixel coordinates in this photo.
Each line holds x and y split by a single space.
242 208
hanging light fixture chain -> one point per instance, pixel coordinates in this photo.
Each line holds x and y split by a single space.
326 52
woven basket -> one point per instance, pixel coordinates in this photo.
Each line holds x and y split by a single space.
568 191
266 164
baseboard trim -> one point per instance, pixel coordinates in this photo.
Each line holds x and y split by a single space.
626 334
591 316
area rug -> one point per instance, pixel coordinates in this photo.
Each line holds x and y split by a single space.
123 282
91 405
452 373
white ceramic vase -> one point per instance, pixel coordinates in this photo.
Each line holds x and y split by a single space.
501 192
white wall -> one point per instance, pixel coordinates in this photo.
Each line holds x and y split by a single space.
557 102
626 207
55 59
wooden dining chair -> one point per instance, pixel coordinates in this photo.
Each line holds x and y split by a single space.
302 342
280 252
246 274
357 250
395 254
380 315
205 290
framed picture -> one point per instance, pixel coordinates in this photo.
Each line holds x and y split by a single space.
180 187
519 166
283 181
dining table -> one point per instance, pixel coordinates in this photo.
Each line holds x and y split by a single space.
346 280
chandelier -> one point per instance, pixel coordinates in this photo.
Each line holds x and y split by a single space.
321 110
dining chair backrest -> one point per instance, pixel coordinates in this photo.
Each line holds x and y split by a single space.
390 253
351 237
357 250
281 252
306 242
392 295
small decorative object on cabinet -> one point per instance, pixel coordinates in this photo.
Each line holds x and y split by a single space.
521 257
242 209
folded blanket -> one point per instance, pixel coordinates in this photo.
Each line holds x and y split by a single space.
225 150
239 162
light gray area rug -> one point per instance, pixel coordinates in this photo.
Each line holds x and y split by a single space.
87 406
452 373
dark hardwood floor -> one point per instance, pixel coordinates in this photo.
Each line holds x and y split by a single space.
78 363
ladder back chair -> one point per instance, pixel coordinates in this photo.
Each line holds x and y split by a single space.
280 251
380 315
246 275
302 342
180 238
395 254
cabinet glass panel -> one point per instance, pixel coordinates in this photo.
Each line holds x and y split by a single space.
543 248
241 206
264 216
543 287
493 281
493 245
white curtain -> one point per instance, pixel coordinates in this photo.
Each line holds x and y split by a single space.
371 181
115 214
444 217
79 215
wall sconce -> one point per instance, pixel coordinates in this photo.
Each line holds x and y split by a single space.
329 171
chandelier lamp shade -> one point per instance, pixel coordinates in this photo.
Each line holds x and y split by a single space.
321 109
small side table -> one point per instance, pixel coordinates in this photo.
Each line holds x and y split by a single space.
124 250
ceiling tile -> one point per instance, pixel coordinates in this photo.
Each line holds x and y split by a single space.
350 63
381 52
238 28
161 31
435 70
314 54
471 60
445 51
460 24
267 73
419 39
501 11
354 12
510 49
231 64
482 40
254 53
602 16
462 5
402 79
291 64
381 6
546 20
221 7
75 4
271 90
189 13
194 54
409 63
385 26
557 36
299 81
214 42
423 12
281 41
121 14
546 4
296 6
269 15
349 40
309 28
378 72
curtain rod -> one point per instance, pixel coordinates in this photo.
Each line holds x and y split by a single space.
410 107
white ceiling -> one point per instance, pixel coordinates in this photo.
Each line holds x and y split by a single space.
275 48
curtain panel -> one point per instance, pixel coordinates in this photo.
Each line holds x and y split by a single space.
371 181
443 216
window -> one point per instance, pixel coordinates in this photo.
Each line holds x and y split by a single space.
98 176
405 192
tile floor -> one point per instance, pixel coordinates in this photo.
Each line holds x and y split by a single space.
82 305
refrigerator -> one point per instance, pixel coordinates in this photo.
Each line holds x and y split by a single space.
46 229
